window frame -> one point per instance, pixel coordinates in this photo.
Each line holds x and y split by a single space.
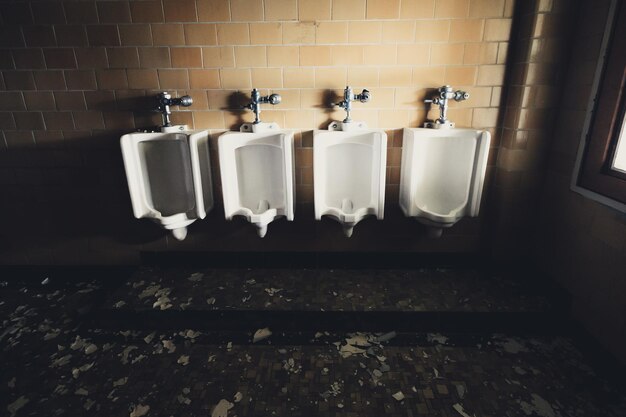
593 175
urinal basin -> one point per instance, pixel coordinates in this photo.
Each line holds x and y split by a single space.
169 176
258 174
442 174
349 174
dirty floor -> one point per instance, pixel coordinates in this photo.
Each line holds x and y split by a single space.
55 360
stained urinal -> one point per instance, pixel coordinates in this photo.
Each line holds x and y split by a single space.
169 177
442 170
257 170
349 166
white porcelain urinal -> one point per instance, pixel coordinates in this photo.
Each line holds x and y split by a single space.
349 166
169 177
257 169
442 175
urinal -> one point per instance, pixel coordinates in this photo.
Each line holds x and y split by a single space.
169 177
257 170
349 166
442 175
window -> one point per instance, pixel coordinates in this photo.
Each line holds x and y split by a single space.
619 160
601 164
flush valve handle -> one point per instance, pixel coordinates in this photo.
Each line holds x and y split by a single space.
274 99
165 100
349 97
257 100
445 93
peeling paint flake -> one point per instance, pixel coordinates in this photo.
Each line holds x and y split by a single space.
88 404
195 277
120 382
139 410
398 396
149 291
539 406
437 338
221 409
62 361
459 409
16 405
272 291
190 334
77 371
511 345
169 345
91 349
126 352
149 338
261 334
78 343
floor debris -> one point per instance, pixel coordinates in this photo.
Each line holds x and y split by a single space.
306 375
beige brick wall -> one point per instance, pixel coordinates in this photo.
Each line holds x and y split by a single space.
78 74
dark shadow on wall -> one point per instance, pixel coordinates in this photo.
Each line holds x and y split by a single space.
81 214
237 102
328 102
510 101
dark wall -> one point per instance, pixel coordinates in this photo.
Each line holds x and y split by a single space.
581 243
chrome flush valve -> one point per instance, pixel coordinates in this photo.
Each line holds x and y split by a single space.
445 93
165 100
349 97
257 100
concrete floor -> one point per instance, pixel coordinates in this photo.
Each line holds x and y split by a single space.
57 360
